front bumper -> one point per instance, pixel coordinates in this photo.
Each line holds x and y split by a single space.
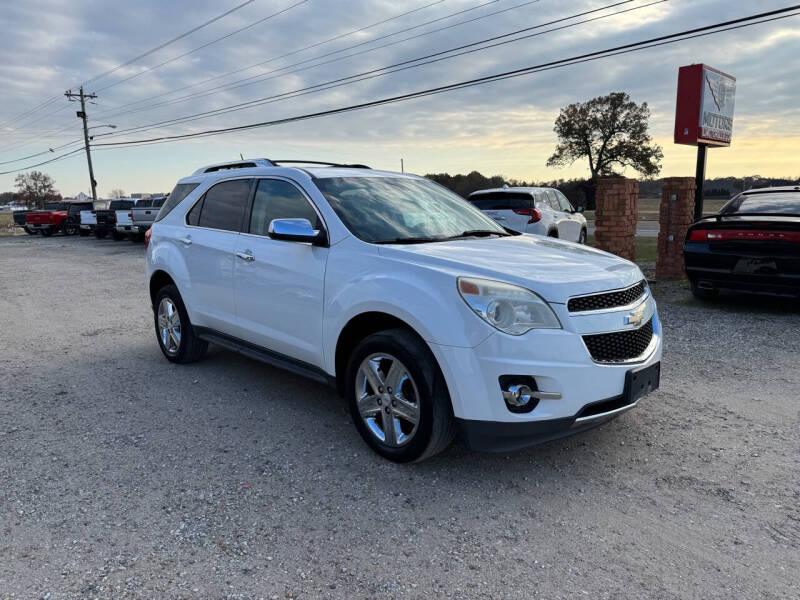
560 364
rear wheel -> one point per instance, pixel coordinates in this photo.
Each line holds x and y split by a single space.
30 231
69 228
176 336
703 294
398 398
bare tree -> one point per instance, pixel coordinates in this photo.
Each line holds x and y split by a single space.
117 193
36 188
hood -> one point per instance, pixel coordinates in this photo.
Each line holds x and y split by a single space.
556 270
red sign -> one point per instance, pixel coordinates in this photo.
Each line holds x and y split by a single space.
704 111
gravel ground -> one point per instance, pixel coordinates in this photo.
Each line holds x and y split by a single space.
124 476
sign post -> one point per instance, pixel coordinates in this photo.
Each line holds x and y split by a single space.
704 116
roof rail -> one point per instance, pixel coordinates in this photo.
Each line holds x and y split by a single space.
317 162
239 164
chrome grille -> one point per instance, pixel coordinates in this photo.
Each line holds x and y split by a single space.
607 299
620 345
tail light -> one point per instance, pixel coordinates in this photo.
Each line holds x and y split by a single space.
534 214
147 235
754 235
130 216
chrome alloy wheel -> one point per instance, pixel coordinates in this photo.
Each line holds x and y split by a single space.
387 399
169 326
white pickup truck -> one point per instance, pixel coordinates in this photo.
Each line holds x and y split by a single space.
88 218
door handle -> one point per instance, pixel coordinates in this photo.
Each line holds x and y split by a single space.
187 241
248 256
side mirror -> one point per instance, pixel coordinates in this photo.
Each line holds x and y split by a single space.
297 230
579 209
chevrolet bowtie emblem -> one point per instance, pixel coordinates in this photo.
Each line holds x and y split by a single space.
635 318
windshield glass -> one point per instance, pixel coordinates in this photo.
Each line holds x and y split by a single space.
394 209
786 203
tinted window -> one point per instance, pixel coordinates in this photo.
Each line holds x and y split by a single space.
158 203
55 206
224 205
120 204
766 202
178 194
144 203
563 202
552 200
276 199
501 200
193 218
383 209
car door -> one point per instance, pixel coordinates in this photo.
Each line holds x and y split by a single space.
570 224
279 284
207 244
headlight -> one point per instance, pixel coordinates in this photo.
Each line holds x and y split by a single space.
509 308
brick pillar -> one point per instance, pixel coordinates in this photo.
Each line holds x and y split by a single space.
675 216
616 215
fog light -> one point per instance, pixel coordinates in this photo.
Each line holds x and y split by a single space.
518 395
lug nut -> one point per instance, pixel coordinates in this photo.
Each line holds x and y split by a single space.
388 390
387 410
394 402
380 389
380 401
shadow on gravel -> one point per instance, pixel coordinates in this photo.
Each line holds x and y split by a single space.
679 293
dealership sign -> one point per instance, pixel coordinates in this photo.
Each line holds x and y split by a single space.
704 112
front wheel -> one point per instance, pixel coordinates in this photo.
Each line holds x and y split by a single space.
30 231
398 397
69 228
176 336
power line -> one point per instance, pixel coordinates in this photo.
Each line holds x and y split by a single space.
214 41
389 69
309 47
132 60
261 77
590 56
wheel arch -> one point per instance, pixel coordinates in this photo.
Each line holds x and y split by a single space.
356 329
158 280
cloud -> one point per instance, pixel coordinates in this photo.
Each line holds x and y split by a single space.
505 127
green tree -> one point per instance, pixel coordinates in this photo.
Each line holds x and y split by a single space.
611 132
36 188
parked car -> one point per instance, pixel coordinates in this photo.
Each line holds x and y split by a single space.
20 221
143 214
751 245
107 219
428 316
56 216
88 217
543 211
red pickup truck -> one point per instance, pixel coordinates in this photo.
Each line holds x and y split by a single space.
56 216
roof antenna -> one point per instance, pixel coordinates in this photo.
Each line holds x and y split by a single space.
240 156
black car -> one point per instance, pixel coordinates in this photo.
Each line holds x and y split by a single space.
751 245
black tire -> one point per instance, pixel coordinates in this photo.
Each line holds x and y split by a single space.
30 231
47 232
552 233
436 428
701 294
191 348
69 228
83 232
100 235
582 237
116 235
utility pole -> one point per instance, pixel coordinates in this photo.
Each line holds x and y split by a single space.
82 115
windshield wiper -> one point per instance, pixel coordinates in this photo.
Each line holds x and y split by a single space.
412 240
478 233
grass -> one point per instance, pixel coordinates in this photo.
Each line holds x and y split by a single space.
646 248
648 208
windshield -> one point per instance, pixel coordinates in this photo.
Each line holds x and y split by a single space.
397 209
786 203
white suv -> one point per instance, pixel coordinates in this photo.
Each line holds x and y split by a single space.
543 211
424 313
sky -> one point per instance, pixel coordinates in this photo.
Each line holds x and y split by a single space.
503 128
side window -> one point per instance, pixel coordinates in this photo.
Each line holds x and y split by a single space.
278 199
178 194
562 200
193 218
224 205
551 198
